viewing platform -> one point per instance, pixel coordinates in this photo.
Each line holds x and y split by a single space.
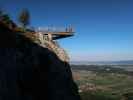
56 33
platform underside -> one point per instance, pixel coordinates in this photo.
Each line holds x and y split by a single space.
59 35
55 37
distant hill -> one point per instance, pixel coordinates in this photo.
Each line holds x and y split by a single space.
122 62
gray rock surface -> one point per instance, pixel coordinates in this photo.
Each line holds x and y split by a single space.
53 45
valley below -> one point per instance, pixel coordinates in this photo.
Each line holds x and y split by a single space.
104 82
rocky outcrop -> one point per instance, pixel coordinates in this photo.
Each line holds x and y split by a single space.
44 41
54 47
31 72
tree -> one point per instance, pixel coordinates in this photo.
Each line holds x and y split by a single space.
24 18
4 17
1 14
1 11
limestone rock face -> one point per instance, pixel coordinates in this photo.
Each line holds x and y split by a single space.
31 72
52 45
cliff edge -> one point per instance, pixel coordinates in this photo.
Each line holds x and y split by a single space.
31 72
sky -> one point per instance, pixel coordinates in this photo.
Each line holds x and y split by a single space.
103 28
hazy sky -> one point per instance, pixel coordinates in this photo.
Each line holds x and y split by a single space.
104 28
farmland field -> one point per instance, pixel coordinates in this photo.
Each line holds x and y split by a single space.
105 83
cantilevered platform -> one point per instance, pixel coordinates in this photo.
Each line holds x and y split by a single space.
56 33
60 35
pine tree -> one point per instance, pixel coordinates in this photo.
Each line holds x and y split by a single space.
24 18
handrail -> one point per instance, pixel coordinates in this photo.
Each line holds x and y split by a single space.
55 29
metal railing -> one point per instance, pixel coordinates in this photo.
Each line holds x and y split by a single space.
55 29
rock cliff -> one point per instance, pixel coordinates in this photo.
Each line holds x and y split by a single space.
53 45
31 72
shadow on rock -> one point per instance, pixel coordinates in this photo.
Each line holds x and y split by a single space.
30 72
